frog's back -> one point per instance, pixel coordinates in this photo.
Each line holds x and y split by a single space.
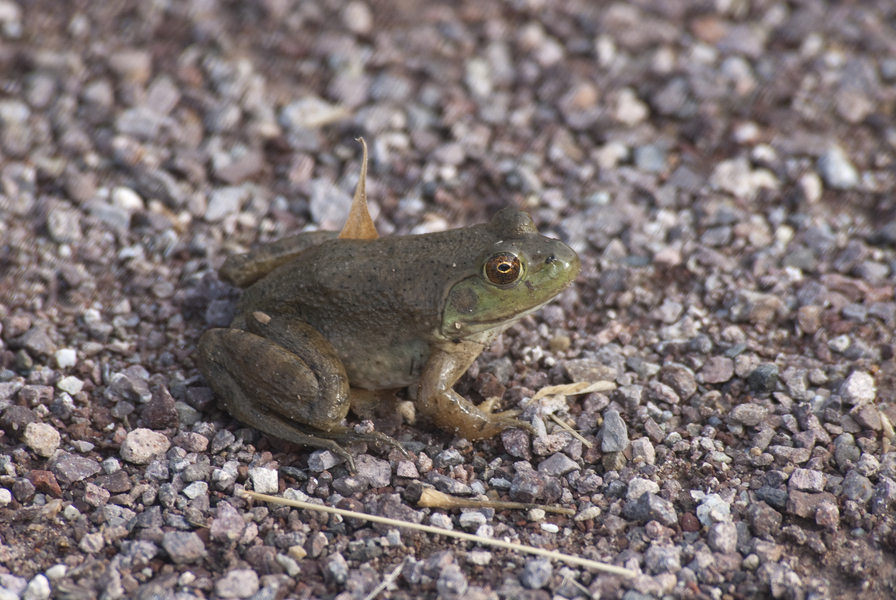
378 302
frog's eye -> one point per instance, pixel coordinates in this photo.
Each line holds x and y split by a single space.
503 268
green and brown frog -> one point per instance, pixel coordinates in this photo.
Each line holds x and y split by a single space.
322 314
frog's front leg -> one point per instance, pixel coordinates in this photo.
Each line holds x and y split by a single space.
281 376
449 410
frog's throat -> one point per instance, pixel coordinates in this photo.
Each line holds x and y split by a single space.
463 326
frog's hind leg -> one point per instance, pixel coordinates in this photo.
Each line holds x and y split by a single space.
307 388
280 375
267 387
301 339
242 409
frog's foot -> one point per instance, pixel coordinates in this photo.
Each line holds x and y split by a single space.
504 419
508 419
347 435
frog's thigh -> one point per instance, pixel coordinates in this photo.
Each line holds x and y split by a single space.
247 411
256 377
448 409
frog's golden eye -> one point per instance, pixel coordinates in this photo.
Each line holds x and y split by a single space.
503 268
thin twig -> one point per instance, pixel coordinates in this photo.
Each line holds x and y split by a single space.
571 431
387 581
573 560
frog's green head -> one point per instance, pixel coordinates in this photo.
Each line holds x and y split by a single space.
518 272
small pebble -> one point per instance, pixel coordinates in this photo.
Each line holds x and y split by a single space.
322 460
836 169
264 481
38 589
452 582
358 17
858 389
65 358
141 445
614 432
441 520
712 509
722 537
472 520
536 574
183 546
70 385
42 438
56 572
237 583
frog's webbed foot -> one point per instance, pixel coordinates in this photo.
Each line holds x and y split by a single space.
508 419
277 426
505 419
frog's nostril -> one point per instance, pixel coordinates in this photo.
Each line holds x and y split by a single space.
550 259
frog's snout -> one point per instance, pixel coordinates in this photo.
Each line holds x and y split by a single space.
563 259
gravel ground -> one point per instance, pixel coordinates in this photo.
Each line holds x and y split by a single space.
725 169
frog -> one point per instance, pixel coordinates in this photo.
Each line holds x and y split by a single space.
325 318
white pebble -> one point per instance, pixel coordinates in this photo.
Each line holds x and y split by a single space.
441 520
127 199
56 572
479 557
71 513
536 515
549 527
141 445
592 512
630 110
811 185
712 508
66 357
10 12
223 202
38 589
196 489
70 385
264 481
858 389
111 465
42 438
5 497
358 17
291 567
836 169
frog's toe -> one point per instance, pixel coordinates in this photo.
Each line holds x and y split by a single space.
381 438
347 436
507 420
490 404
344 454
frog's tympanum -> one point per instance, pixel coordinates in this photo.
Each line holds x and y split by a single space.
322 314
